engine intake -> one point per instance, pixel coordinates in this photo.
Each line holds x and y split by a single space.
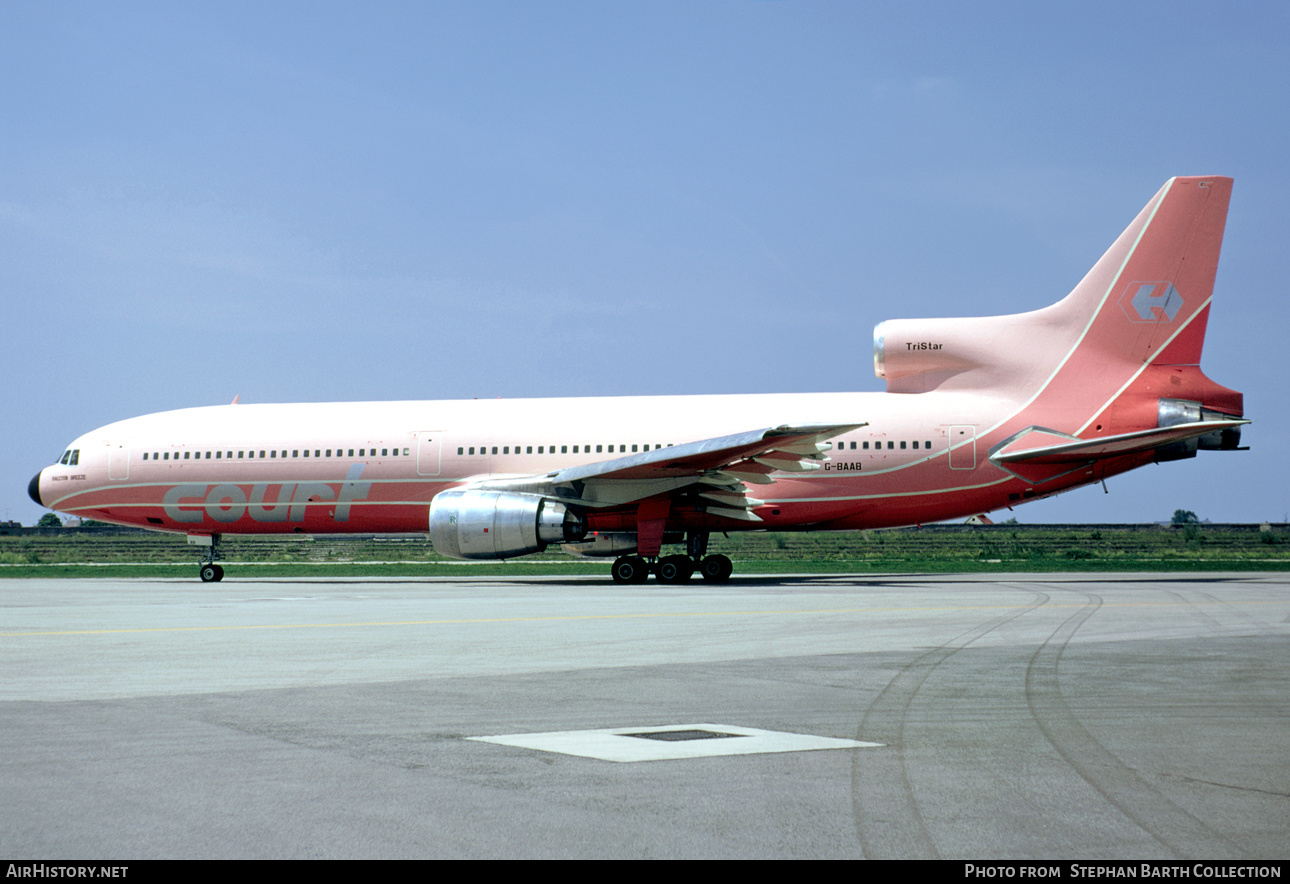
480 524
917 355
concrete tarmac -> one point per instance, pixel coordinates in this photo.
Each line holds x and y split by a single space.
1053 716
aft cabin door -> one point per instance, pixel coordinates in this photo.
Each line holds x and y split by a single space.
429 453
962 447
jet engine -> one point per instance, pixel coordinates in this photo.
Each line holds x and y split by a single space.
917 355
480 524
1172 412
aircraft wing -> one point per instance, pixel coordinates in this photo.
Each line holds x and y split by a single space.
1043 446
723 463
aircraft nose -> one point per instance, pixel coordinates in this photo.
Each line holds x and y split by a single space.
33 488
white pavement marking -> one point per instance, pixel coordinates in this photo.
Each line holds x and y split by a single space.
625 743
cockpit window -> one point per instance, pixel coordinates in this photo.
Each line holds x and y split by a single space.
70 457
66 455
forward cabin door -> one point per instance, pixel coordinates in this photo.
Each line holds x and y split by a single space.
118 462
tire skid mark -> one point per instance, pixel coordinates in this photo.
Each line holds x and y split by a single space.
1201 614
1235 614
891 827
1122 786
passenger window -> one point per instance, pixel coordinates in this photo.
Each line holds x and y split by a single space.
528 450
187 455
633 448
891 445
242 454
928 444
540 449
472 450
915 444
564 449
273 453
902 445
494 449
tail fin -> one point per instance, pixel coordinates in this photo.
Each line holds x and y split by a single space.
1147 299
1143 309
1133 327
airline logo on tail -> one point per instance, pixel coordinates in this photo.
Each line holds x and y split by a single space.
1151 301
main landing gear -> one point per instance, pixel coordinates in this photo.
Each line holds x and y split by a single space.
672 569
675 569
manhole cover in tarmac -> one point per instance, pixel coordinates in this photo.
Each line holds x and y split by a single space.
679 736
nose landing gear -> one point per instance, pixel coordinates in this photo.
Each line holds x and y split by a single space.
210 572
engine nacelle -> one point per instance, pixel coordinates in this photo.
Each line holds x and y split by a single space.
480 524
1172 412
916 355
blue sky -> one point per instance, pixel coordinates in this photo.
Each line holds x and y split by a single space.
323 201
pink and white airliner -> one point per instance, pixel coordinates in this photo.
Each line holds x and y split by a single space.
979 414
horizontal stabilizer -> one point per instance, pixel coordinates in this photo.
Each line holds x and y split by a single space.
1042 446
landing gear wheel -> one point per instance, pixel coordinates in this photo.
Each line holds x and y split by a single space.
211 573
630 569
716 569
675 569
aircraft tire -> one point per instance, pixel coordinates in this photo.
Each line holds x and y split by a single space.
211 573
716 569
630 569
675 569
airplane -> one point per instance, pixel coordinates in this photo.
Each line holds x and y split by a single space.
979 414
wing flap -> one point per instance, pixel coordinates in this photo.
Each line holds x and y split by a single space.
696 458
724 462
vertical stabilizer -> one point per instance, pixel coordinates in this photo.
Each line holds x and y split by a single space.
1147 299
